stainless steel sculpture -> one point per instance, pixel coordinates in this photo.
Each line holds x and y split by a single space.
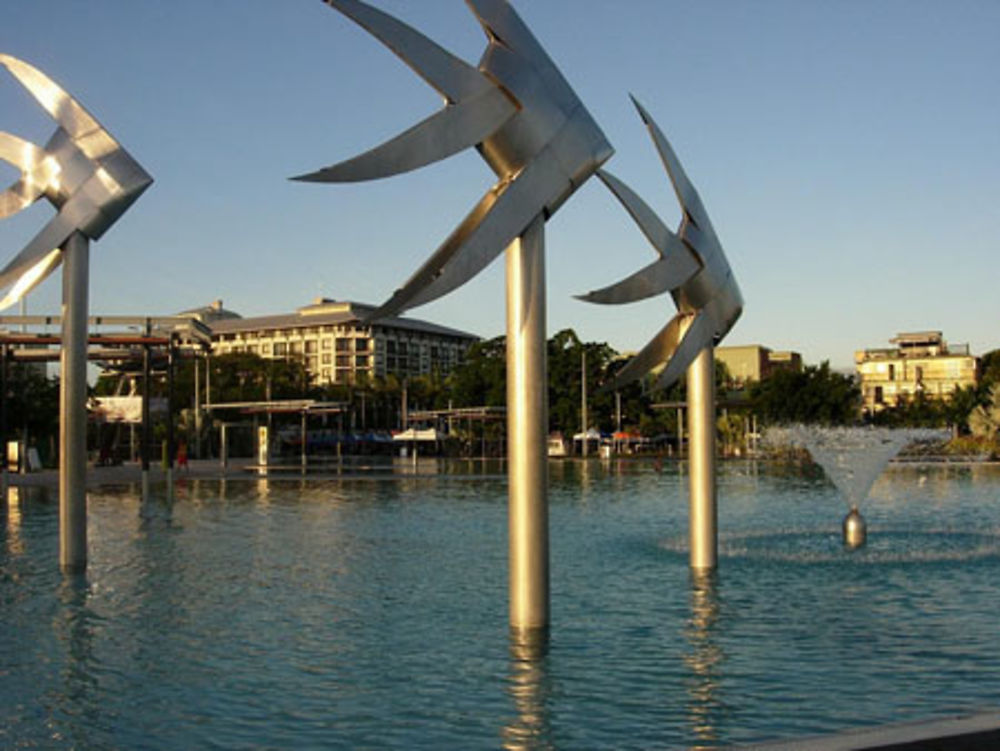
90 180
693 267
528 124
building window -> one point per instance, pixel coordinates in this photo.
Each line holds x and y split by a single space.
310 346
361 361
343 361
390 347
327 358
280 349
295 348
343 345
327 343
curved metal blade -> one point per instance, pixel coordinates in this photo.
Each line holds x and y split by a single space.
32 278
686 193
443 134
699 335
661 238
87 133
51 236
660 276
659 349
454 78
499 217
502 25
27 157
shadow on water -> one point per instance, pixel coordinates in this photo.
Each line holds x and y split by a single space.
704 661
530 688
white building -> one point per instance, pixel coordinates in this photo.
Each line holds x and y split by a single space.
334 342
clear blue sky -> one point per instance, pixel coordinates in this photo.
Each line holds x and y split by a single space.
848 152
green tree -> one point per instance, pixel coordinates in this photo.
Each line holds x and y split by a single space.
481 378
815 394
32 402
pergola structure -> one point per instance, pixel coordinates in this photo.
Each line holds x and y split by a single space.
132 340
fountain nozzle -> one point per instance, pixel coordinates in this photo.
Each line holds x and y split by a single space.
855 529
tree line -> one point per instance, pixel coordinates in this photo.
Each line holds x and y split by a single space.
814 394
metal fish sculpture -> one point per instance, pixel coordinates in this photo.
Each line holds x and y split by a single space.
515 108
691 265
89 178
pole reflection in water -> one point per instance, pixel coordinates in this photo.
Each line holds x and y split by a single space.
74 628
12 504
156 510
529 686
704 659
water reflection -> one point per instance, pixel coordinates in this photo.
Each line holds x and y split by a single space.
74 627
704 659
529 685
15 545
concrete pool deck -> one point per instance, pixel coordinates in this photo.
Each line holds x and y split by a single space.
980 732
131 472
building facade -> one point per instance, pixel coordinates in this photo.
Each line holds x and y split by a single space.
920 363
752 362
336 344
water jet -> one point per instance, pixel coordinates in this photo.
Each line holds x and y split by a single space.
852 458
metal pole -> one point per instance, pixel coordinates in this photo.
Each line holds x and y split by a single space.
73 407
701 448
527 427
197 408
583 398
144 439
171 440
304 441
3 424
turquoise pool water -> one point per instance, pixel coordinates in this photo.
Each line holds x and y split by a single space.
372 613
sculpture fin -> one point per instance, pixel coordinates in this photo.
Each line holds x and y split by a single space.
660 276
495 222
32 278
687 195
699 335
454 78
27 157
50 238
443 134
504 26
676 265
88 135
659 349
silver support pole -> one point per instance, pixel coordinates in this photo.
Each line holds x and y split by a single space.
305 441
73 407
701 450
197 409
583 399
527 428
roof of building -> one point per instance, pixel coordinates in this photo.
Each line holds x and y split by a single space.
332 312
210 313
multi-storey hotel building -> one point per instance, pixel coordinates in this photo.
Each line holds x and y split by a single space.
335 344
920 363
